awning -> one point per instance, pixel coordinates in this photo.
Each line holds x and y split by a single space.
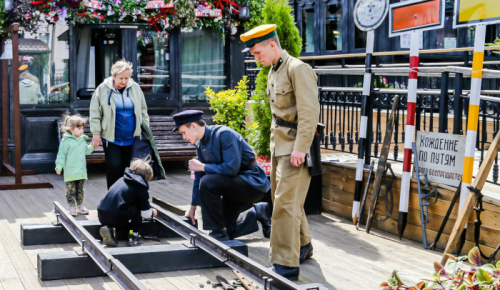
27 45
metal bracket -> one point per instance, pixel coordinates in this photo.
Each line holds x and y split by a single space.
192 242
56 222
82 251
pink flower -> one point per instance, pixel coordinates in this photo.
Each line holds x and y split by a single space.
118 2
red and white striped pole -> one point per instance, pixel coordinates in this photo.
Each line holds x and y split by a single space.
363 128
410 132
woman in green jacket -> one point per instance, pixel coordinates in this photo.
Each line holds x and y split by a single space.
117 110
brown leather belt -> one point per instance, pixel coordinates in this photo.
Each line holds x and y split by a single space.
283 123
250 165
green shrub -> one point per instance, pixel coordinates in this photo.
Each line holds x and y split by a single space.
280 13
229 106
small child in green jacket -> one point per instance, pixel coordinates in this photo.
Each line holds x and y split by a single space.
71 157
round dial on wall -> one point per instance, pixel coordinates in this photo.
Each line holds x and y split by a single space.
369 14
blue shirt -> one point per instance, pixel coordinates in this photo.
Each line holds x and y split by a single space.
125 119
224 151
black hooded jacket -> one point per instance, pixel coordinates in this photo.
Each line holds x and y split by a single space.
128 194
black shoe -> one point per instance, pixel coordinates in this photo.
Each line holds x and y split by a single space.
291 273
306 252
263 211
134 240
108 237
220 235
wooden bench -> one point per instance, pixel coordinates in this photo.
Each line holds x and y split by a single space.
170 145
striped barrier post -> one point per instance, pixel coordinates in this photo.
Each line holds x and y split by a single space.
473 120
410 132
363 129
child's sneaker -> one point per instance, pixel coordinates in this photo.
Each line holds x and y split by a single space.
134 240
82 210
72 211
108 237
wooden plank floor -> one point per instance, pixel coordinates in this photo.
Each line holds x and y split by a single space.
343 257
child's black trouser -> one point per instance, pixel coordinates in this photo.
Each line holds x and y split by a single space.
130 219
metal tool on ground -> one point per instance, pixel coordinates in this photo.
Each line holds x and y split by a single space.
389 195
477 224
152 238
423 197
446 217
96 251
382 163
466 211
225 284
362 207
227 255
245 282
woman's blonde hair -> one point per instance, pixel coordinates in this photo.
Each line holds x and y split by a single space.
72 121
121 66
142 167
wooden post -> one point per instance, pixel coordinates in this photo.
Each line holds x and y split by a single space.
384 154
468 199
363 128
7 169
17 106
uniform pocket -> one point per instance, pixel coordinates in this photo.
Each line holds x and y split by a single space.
284 96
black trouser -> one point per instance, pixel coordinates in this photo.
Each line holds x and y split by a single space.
121 221
117 159
226 202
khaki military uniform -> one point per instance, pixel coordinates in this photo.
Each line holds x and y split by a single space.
293 94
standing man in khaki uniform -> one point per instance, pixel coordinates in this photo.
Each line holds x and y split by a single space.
293 94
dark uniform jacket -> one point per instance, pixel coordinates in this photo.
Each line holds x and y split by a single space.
224 151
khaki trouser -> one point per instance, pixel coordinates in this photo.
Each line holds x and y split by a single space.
290 230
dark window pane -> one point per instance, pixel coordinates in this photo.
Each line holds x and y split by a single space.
203 63
359 38
333 27
153 69
307 30
97 51
44 66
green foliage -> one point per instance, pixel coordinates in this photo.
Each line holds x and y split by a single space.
479 277
279 13
3 14
496 42
256 17
229 106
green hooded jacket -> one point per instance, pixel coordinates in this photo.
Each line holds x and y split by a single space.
71 157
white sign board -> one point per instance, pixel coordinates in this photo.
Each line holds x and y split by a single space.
405 41
441 157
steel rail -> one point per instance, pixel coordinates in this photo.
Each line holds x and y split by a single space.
111 266
230 257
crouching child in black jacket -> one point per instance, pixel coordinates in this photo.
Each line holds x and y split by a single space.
126 204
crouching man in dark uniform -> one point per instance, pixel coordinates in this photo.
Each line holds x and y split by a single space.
228 181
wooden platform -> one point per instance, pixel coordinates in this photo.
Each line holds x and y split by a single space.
343 257
338 194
